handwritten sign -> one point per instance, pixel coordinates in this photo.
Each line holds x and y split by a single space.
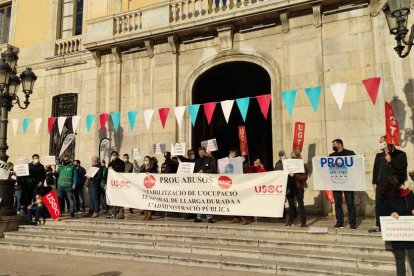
21 169
22 161
401 229
136 154
177 149
159 148
293 166
185 167
210 145
49 160
92 172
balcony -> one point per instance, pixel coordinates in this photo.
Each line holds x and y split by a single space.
68 46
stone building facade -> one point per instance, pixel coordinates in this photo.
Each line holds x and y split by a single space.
136 55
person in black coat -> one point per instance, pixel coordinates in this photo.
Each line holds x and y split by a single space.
390 161
119 166
395 202
148 167
33 183
169 165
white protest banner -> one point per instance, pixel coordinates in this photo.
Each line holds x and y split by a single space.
136 154
92 171
68 140
21 169
261 194
339 173
210 145
177 149
293 166
401 229
230 165
49 160
185 168
159 148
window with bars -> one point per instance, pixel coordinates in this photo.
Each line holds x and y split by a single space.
71 18
5 14
63 105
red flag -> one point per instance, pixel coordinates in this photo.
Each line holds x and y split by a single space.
264 103
102 121
244 148
50 122
299 136
51 202
372 86
163 115
391 126
209 110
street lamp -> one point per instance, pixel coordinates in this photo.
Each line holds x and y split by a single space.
396 12
9 86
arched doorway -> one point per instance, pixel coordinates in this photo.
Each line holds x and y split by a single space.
230 81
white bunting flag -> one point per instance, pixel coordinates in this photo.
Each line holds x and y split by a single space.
15 125
38 122
338 91
61 124
227 106
179 113
148 116
75 122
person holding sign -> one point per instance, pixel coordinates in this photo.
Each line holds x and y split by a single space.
339 150
397 201
67 177
92 187
33 183
148 167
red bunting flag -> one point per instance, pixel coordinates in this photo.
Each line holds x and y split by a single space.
50 200
163 115
264 103
391 126
102 121
299 136
50 122
372 86
209 110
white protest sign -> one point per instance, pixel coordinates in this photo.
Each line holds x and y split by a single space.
22 161
49 160
230 165
4 170
136 155
177 149
401 229
21 169
185 168
339 173
293 165
159 148
92 171
210 145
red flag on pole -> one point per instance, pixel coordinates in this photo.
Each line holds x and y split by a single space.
244 148
209 110
264 103
299 136
163 115
50 122
372 86
51 202
391 126
102 121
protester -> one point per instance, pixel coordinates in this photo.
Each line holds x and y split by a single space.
78 191
339 150
279 163
148 167
390 161
93 186
205 164
257 166
102 192
296 190
38 208
66 180
397 201
129 167
50 179
191 156
17 187
169 166
119 166
32 184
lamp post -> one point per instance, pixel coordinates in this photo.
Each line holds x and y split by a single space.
9 86
396 12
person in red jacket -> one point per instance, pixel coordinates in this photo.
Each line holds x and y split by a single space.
257 166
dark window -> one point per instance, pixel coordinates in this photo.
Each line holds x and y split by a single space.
71 15
5 14
78 17
63 105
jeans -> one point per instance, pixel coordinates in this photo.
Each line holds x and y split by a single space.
66 193
38 210
102 195
400 260
93 192
79 199
292 208
349 198
199 216
18 195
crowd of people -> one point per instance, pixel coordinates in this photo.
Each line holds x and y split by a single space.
71 182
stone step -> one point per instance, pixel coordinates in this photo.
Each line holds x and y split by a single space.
244 264
276 254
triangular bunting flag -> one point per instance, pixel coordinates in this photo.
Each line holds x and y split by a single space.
38 122
289 99
243 105
338 91
75 122
103 118
50 122
15 125
227 106
148 113
264 103
193 111
116 118
209 111
26 122
372 86
61 123
179 113
132 116
163 115
89 120
314 95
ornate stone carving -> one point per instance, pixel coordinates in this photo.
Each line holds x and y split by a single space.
284 19
116 51
149 44
172 40
226 35
97 57
317 16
